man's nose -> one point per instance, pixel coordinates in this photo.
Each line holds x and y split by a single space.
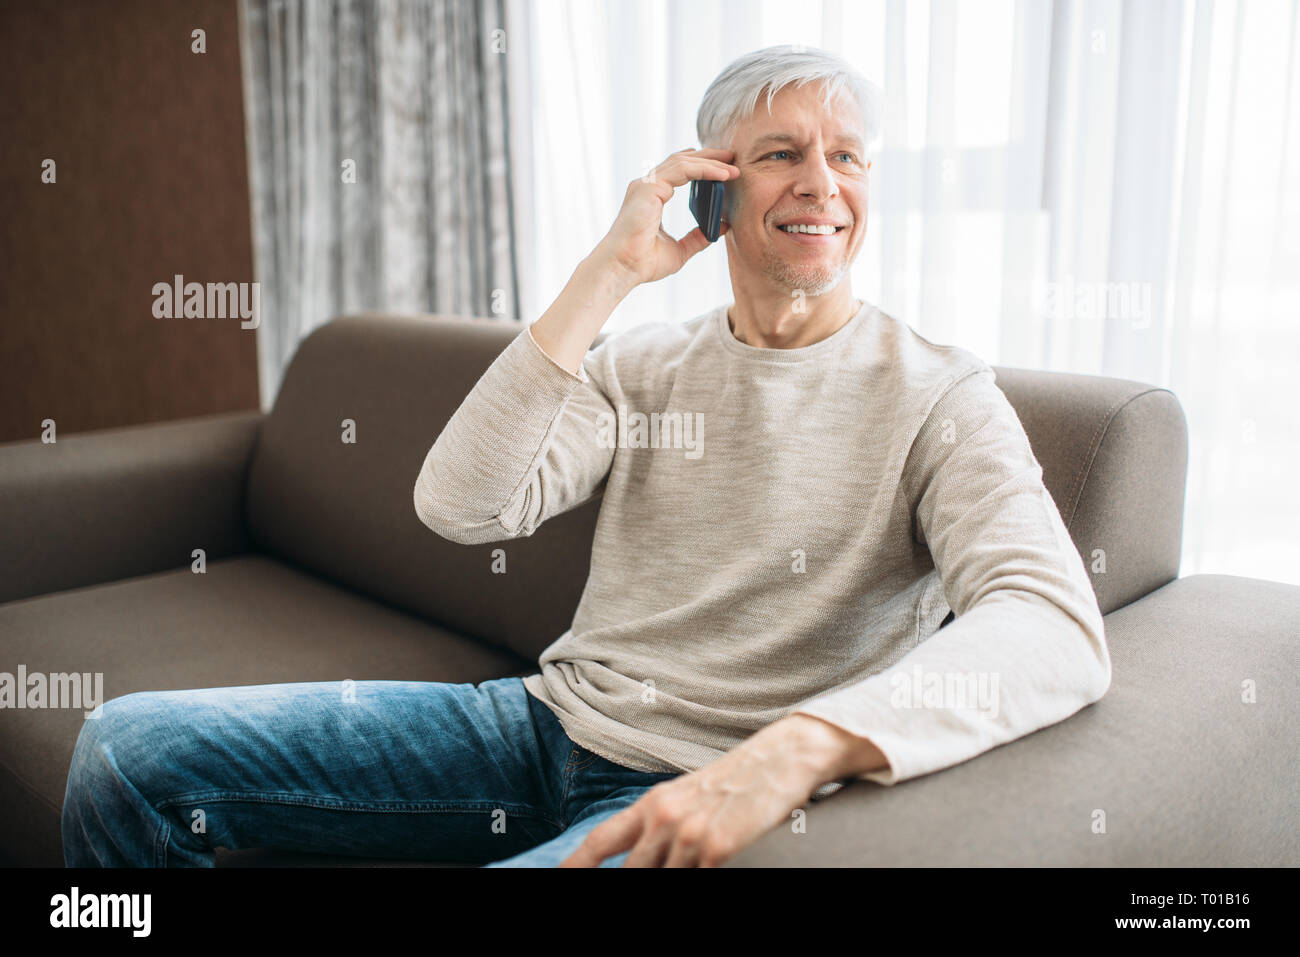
816 181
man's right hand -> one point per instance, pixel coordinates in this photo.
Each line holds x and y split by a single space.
637 242
635 250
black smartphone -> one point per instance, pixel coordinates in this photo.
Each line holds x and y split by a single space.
706 206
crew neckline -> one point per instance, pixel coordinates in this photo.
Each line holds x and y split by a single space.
734 345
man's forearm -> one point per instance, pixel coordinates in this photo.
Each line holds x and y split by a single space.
567 329
817 750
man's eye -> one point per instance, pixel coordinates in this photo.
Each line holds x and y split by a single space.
851 156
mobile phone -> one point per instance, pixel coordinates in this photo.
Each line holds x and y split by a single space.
706 206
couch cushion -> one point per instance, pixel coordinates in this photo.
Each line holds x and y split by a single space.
248 620
345 511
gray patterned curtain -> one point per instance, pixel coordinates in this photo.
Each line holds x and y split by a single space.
378 163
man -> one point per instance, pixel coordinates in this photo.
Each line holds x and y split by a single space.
796 489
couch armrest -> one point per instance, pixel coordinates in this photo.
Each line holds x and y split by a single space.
99 506
1187 771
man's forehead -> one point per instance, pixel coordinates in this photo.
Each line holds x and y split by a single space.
792 121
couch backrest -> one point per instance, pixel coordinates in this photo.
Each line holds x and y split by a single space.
346 511
1113 455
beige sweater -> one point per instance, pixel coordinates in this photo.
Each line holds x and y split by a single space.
789 542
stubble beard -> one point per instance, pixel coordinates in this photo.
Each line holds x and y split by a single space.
813 279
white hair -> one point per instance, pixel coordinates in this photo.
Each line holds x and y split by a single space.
733 95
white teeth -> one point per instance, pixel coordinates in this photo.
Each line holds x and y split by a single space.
816 230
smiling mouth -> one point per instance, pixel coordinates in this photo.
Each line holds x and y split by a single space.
811 231
813 241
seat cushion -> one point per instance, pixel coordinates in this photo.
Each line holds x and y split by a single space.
1179 766
247 620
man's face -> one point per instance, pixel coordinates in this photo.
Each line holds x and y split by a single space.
797 162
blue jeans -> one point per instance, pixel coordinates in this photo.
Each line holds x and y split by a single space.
394 769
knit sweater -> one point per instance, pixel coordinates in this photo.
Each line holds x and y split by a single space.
781 531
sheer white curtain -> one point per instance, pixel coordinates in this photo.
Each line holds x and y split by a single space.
1099 186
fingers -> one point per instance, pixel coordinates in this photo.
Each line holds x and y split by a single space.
716 152
674 839
686 846
651 849
610 837
695 241
682 167
692 243
662 829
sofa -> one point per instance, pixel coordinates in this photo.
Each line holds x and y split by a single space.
317 569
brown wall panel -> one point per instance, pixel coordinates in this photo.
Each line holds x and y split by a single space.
148 138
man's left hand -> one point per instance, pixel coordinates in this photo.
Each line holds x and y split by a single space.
707 816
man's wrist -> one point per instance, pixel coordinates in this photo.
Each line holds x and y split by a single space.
612 276
822 752
566 331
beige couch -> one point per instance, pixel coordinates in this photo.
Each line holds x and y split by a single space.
318 569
